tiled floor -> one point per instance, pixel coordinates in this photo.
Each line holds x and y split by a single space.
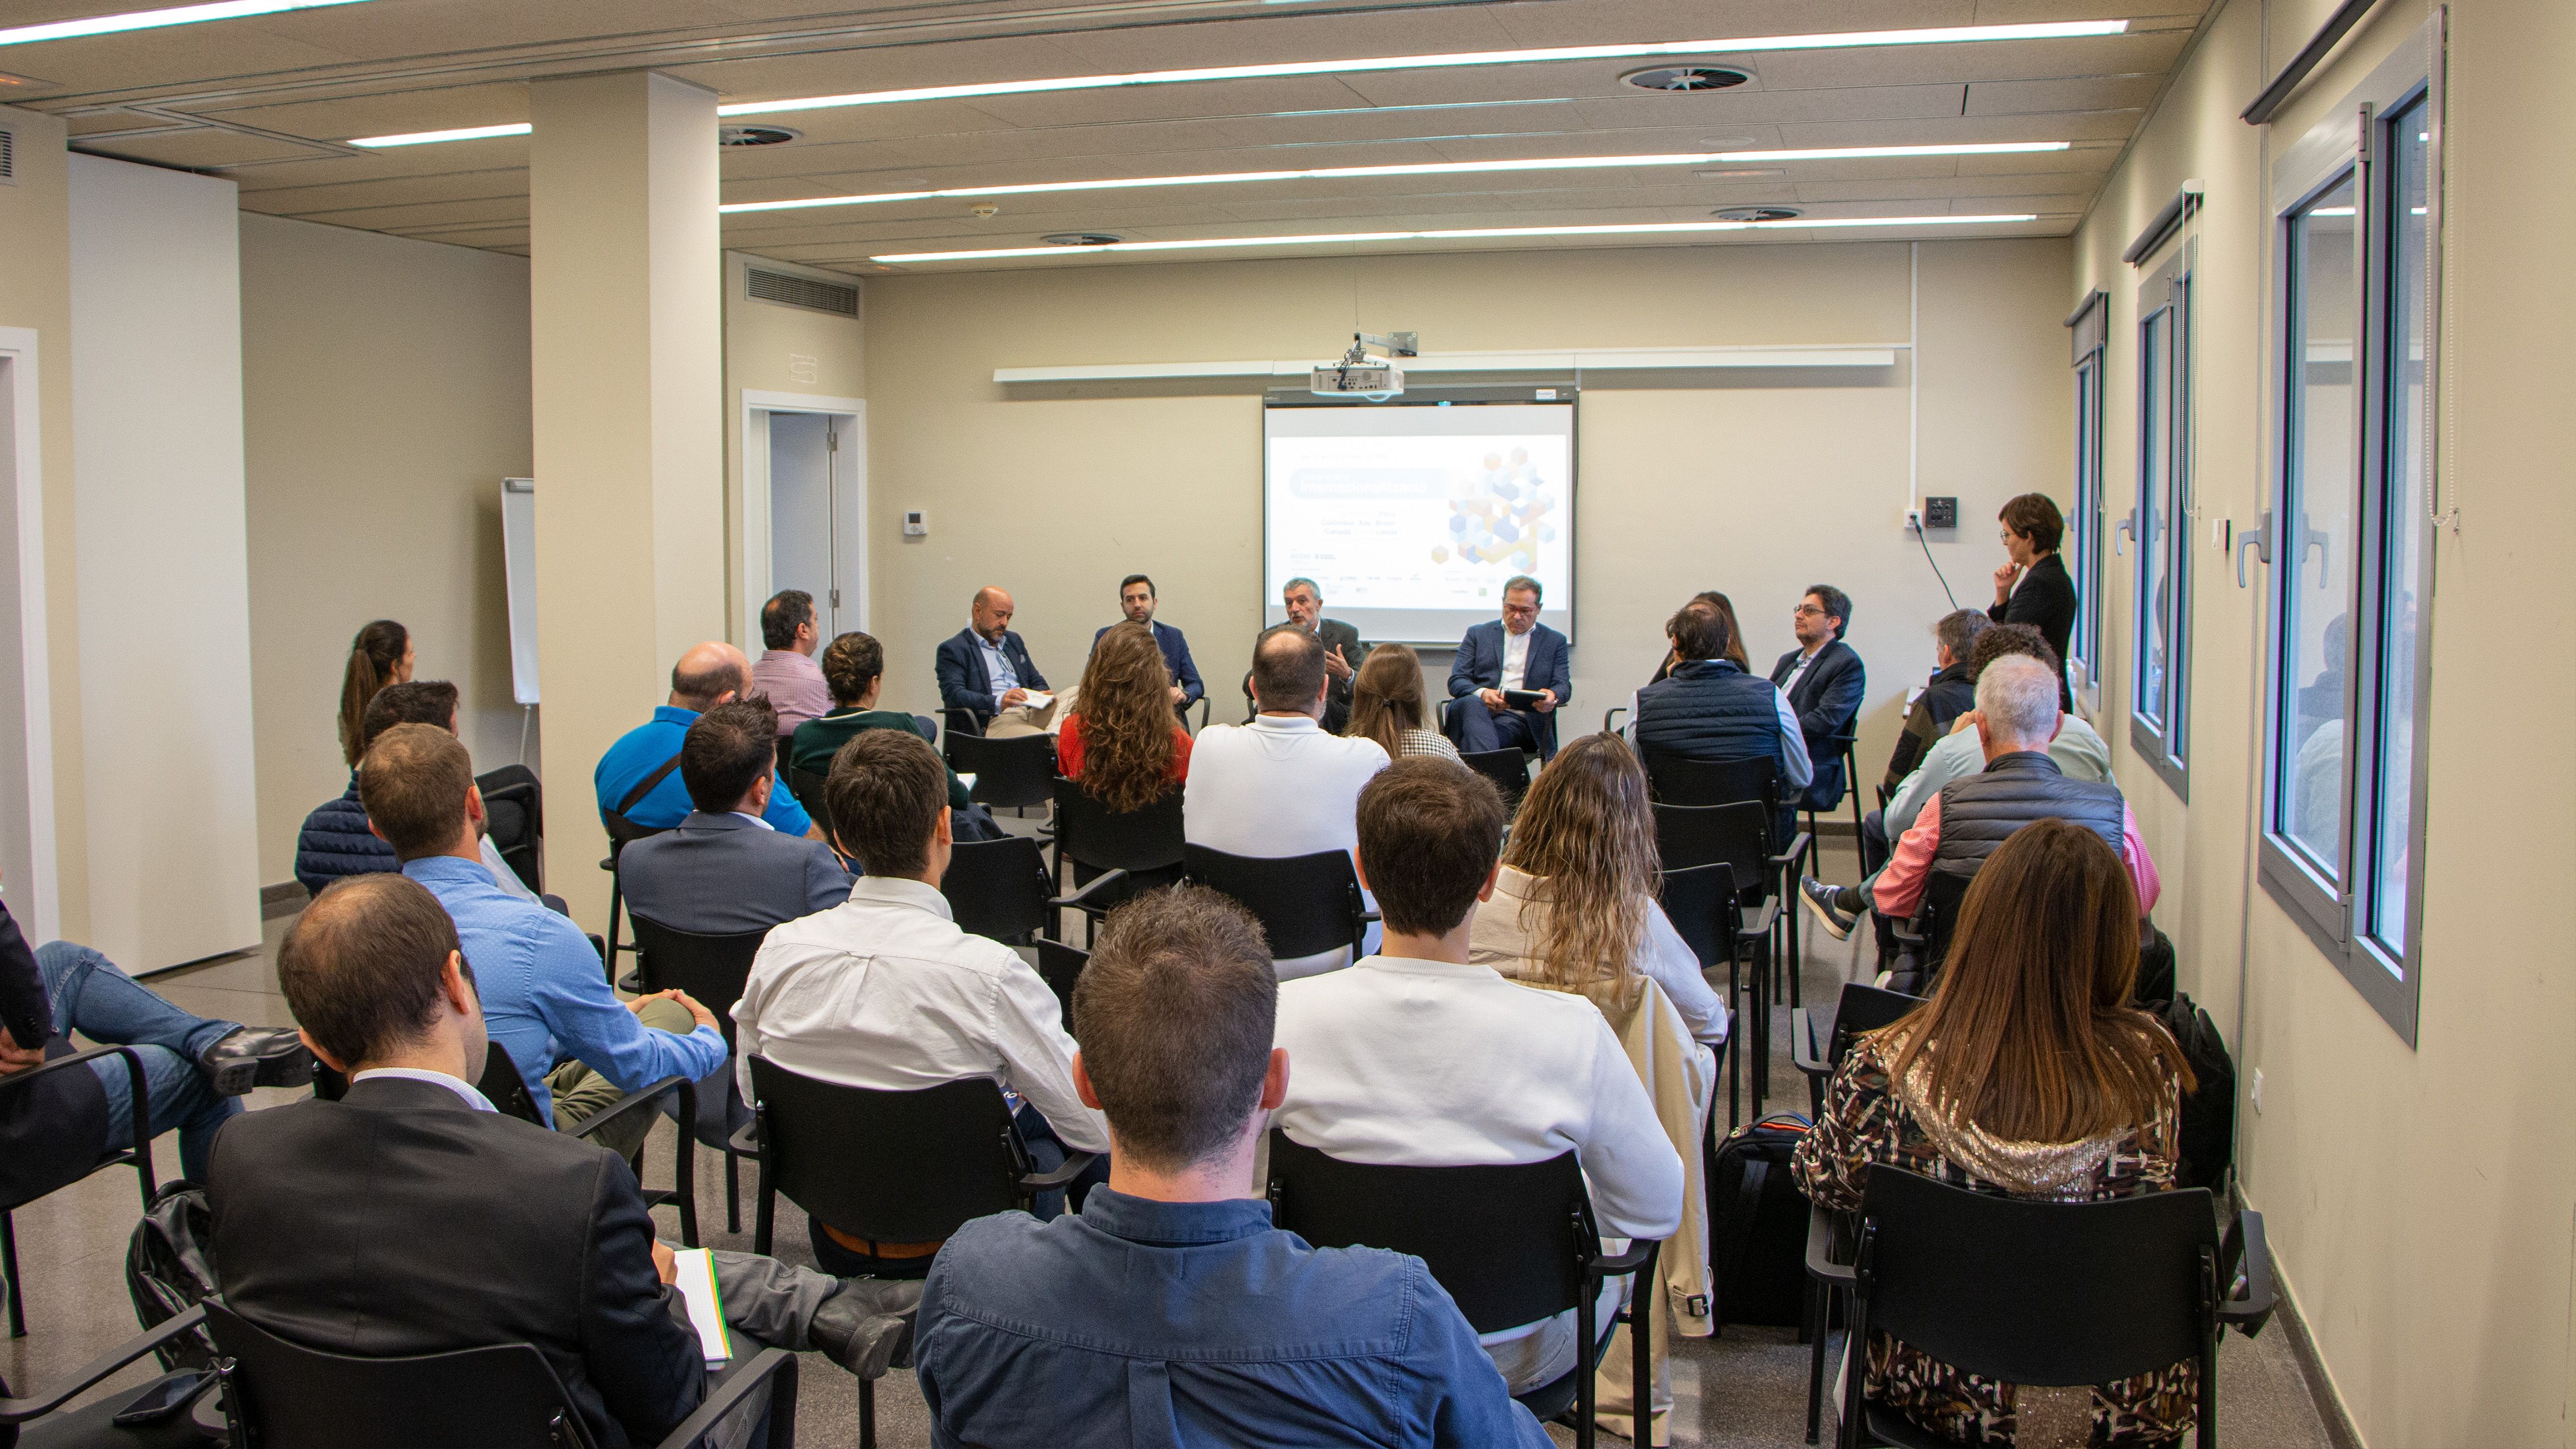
1745 1388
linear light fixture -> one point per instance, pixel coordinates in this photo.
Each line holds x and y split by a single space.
155 19
1425 168
1479 233
432 138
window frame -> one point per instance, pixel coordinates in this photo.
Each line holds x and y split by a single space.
2359 136
2165 741
2090 328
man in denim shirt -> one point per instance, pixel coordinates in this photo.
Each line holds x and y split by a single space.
1170 1312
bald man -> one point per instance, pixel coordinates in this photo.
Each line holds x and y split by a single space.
986 669
639 777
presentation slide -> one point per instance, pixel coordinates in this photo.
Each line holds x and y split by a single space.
1409 516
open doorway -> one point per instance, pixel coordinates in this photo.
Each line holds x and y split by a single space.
26 727
804 523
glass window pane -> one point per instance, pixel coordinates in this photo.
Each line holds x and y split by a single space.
2404 504
2315 555
2155 479
2084 643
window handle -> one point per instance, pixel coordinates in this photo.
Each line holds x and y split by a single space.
2127 525
2257 538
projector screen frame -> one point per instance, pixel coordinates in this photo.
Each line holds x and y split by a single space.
1559 394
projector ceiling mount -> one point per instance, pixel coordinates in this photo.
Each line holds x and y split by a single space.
1358 375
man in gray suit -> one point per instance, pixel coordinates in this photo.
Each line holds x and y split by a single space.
724 871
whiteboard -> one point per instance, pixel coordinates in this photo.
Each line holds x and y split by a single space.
519 561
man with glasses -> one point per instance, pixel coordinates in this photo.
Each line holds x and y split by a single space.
1509 676
1343 651
1825 683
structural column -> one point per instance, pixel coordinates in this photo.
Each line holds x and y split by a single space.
625 331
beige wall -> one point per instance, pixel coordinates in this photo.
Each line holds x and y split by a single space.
1758 485
385 397
2418 1199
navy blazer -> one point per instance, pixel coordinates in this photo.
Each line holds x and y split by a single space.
722 875
1176 658
963 682
1827 702
1478 664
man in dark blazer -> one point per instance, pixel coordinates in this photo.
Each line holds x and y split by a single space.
1500 655
985 667
1825 684
1136 600
411 1218
1343 651
724 871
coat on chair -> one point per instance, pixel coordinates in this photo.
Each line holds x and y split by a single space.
1479 665
963 681
1827 702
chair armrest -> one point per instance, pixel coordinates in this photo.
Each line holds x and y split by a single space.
19 1411
632 981
1370 918
1820 1250
732 1390
745 1138
1796 851
1083 899
1641 1251
631 1100
1073 1166
1610 714
1904 932
1802 1046
1757 922
2248 1312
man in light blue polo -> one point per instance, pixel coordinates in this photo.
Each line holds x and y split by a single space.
639 777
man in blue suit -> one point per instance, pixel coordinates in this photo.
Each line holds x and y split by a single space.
1136 600
986 668
1514 652
1825 683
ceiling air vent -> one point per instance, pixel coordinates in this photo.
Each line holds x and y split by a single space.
1756 213
756 135
796 291
1683 79
8 158
1082 238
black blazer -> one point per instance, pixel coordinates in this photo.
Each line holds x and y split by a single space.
53 1130
1827 702
1332 634
964 683
400 1220
2046 602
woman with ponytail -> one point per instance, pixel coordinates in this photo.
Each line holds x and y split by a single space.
379 656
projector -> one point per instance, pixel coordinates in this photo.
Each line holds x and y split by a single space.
1362 376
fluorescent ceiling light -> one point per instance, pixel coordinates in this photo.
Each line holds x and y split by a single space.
429 138
1481 233
155 19
1832 40
1426 168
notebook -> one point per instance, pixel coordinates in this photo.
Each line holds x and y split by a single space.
696 1282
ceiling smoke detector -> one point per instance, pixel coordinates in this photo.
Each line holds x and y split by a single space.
1082 239
756 135
1756 213
1685 79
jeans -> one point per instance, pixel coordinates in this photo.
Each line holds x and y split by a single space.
1477 729
1046 1154
91 996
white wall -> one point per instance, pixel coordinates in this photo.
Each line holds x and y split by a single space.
164 595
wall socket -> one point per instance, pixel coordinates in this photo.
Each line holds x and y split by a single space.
1941 511
2254 1094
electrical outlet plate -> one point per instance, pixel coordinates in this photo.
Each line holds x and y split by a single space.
1941 511
1914 519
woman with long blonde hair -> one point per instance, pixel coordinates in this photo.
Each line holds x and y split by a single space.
1574 904
1122 744
1387 705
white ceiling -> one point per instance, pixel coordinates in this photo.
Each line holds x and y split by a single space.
270 101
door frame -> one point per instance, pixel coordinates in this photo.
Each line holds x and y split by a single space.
849 502
21 432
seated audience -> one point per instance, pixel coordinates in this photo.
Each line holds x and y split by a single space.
1825 684
1281 785
1418 1057
381 655
2078 751
194 1070
1574 904
2028 1075
1734 637
1171 1301
1343 652
786 674
1500 657
1387 706
854 667
723 871
1708 708
1136 600
2032 586
638 776
884 991
335 840
1966 819
409 1217
1122 744
1951 692
544 992
986 670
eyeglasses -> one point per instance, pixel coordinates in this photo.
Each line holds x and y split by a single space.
1803 610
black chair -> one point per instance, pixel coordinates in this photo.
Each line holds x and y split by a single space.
1610 718
1739 836
1845 746
1015 773
1693 780
281 1395
712 969
1146 843
807 787
960 723
1307 904
2042 1293
1708 913
998 889
896 1167
1512 1243
83 1161
1508 769
622 832
514 806
48 1425
506 1090
1060 966
1924 941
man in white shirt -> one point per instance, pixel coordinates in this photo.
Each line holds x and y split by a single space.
884 990
1279 786
1414 1057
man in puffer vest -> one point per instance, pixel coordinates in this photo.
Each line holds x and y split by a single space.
1709 709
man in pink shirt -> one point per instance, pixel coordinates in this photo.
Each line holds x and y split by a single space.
787 673
1960 826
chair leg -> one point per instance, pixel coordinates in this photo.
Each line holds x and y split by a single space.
9 1269
616 898
733 1193
1586 1342
867 1414
764 1213
1820 1310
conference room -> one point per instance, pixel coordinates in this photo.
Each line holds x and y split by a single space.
1283 721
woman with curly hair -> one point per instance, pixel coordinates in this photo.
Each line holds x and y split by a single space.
1122 744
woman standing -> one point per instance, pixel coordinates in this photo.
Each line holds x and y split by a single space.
1387 705
2032 586
1122 744
380 655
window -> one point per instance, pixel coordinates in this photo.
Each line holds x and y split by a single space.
2090 325
2160 685
2359 206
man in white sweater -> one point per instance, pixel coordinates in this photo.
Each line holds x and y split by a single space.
1280 786
1416 1058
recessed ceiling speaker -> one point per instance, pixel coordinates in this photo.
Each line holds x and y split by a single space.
756 135
1684 79
1082 238
1756 213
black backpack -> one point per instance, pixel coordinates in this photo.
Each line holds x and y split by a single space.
2209 1108
170 1268
1757 1223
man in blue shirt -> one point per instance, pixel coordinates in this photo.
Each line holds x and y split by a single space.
1170 1311
708 675
545 996
1136 600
